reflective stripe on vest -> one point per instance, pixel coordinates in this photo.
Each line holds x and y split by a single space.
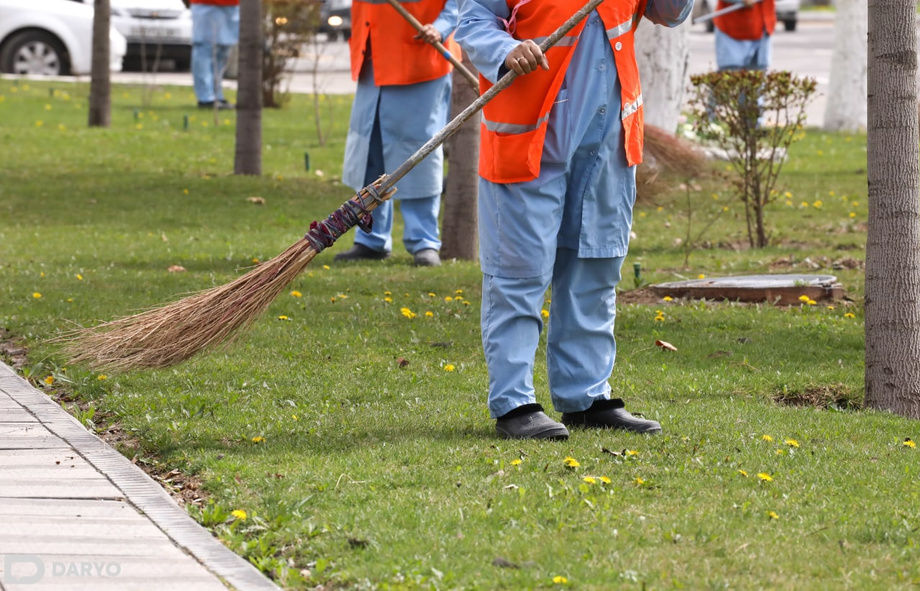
398 57
514 124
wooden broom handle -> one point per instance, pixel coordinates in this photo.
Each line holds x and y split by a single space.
473 80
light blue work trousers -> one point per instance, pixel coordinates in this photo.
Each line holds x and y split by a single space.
420 215
215 30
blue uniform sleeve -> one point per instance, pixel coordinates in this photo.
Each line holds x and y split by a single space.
669 13
482 35
447 20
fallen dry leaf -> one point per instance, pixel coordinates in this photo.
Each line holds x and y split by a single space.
176 269
256 200
666 345
402 362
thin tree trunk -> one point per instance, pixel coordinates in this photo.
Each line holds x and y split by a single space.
100 90
846 104
248 157
663 55
893 242
460 228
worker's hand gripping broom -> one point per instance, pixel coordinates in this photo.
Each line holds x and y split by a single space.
173 333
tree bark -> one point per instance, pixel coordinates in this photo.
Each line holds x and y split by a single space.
846 105
460 228
663 56
100 89
248 154
893 242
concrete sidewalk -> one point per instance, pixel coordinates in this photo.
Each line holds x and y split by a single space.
76 515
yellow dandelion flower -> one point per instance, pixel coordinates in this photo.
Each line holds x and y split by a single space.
283 317
909 443
102 377
239 514
448 299
560 580
604 479
296 294
701 276
639 481
772 515
571 462
668 298
642 214
849 315
294 417
79 277
831 193
544 314
779 452
787 194
49 380
407 313
764 477
39 123
387 293
255 260
791 443
517 462
429 314
185 191
459 292
449 367
388 300
139 126
631 452
431 294
466 303
789 203
589 479
811 303
817 203
852 214
767 438
326 267
831 308
743 473
804 298
258 439
332 299
36 295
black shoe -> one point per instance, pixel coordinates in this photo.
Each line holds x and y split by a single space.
359 252
610 414
427 258
222 105
529 422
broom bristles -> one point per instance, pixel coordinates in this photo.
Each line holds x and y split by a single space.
207 320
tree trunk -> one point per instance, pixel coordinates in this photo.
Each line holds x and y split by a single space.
846 105
460 228
893 241
663 56
100 89
248 157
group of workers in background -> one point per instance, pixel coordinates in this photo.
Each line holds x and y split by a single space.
558 155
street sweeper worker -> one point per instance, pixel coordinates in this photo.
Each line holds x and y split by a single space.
743 37
402 100
558 155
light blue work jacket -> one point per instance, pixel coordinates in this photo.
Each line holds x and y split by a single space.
409 115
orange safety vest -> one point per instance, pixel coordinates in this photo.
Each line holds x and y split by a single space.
398 57
748 24
514 123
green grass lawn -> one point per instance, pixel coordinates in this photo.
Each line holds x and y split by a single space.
355 436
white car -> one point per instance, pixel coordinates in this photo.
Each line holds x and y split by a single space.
51 38
156 30
787 12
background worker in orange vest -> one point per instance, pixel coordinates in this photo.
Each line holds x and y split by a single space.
402 100
558 184
215 30
743 36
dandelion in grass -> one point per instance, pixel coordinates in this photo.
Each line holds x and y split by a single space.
772 515
787 195
388 300
36 295
659 316
449 367
639 481
429 314
326 267
767 438
571 462
764 477
448 299
668 298
831 308
852 214
701 276
459 292
39 123
283 317
466 303
849 315
544 314
431 294
79 277
407 313
185 191
239 514
743 473
560 580
296 294
604 479
791 443
255 261
258 439
517 462
102 377
49 380
818 204
590 479
780 452
804 298
631 453
910 443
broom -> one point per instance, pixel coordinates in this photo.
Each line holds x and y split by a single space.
470 77
213 318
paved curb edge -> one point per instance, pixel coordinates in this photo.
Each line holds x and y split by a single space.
139 489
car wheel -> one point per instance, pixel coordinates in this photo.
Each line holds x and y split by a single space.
35 53
790 24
